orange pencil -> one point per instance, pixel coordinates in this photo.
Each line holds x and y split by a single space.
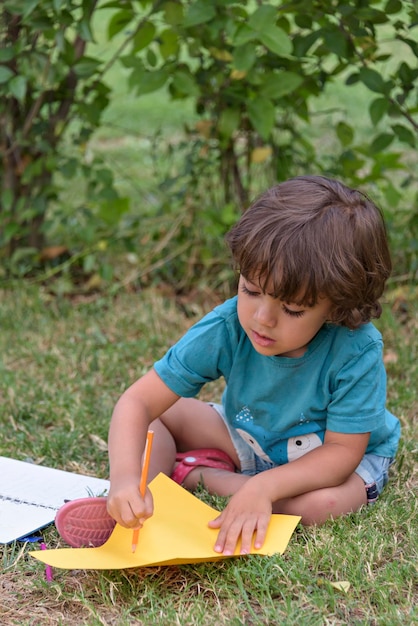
144 476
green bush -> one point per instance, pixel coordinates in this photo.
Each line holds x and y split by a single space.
257 75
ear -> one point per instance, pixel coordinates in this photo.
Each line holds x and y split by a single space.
330 316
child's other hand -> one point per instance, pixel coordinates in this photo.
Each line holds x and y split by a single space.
247 515
126 505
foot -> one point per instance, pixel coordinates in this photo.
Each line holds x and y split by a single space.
203 457
85 523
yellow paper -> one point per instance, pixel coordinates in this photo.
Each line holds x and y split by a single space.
177 533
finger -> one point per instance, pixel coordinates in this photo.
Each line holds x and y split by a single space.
123 516
149 504
127 513
261 532
228 538
216 523
247 535
138 512
115 511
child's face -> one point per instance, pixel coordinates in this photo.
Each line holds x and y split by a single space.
277 328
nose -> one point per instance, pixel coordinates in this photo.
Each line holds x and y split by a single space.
265 313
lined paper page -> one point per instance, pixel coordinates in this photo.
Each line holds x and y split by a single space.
30 495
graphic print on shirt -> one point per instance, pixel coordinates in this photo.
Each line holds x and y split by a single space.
253 443
300 445
278 448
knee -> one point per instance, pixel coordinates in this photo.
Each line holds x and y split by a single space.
320 507
315 507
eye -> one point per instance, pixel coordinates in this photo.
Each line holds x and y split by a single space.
292 313
245 290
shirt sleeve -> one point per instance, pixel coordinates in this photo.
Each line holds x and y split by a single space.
202 355
358 394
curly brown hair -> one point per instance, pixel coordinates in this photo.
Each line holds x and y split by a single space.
312 237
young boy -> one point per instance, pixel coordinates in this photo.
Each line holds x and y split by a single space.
302 428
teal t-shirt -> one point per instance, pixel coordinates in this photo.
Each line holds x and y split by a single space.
282 406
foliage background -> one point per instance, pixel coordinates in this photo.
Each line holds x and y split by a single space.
155 122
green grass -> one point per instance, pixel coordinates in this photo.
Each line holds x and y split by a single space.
63 365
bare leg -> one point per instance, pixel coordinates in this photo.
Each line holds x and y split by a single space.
192 424
163 453
316 507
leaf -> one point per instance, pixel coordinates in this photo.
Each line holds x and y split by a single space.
407 74
173 13
262 115
377 109
372 79
352 79
10 230
100 443
405 135
132 62
393 6
118 22
185 84
199 13
146 82
341 585
84 31
261 154
244 57
28 6
58 4
6 198
302 44
303 20
277 85
220 54
263 17
238 75
336 43
17 86
276 40
52 253
243 35
169 45
229 121
392 195
204 128
143 37
6 54
345 133
381 142
110 211
5 74
86 66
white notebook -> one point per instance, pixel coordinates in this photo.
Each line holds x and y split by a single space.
30 495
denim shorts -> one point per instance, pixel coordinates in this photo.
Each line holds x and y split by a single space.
372 469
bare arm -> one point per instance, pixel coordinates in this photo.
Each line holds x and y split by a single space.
138 406
250 508
328 465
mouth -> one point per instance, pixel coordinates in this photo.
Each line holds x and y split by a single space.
262 340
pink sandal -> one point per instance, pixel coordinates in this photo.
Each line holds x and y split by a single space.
84 523
204 457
